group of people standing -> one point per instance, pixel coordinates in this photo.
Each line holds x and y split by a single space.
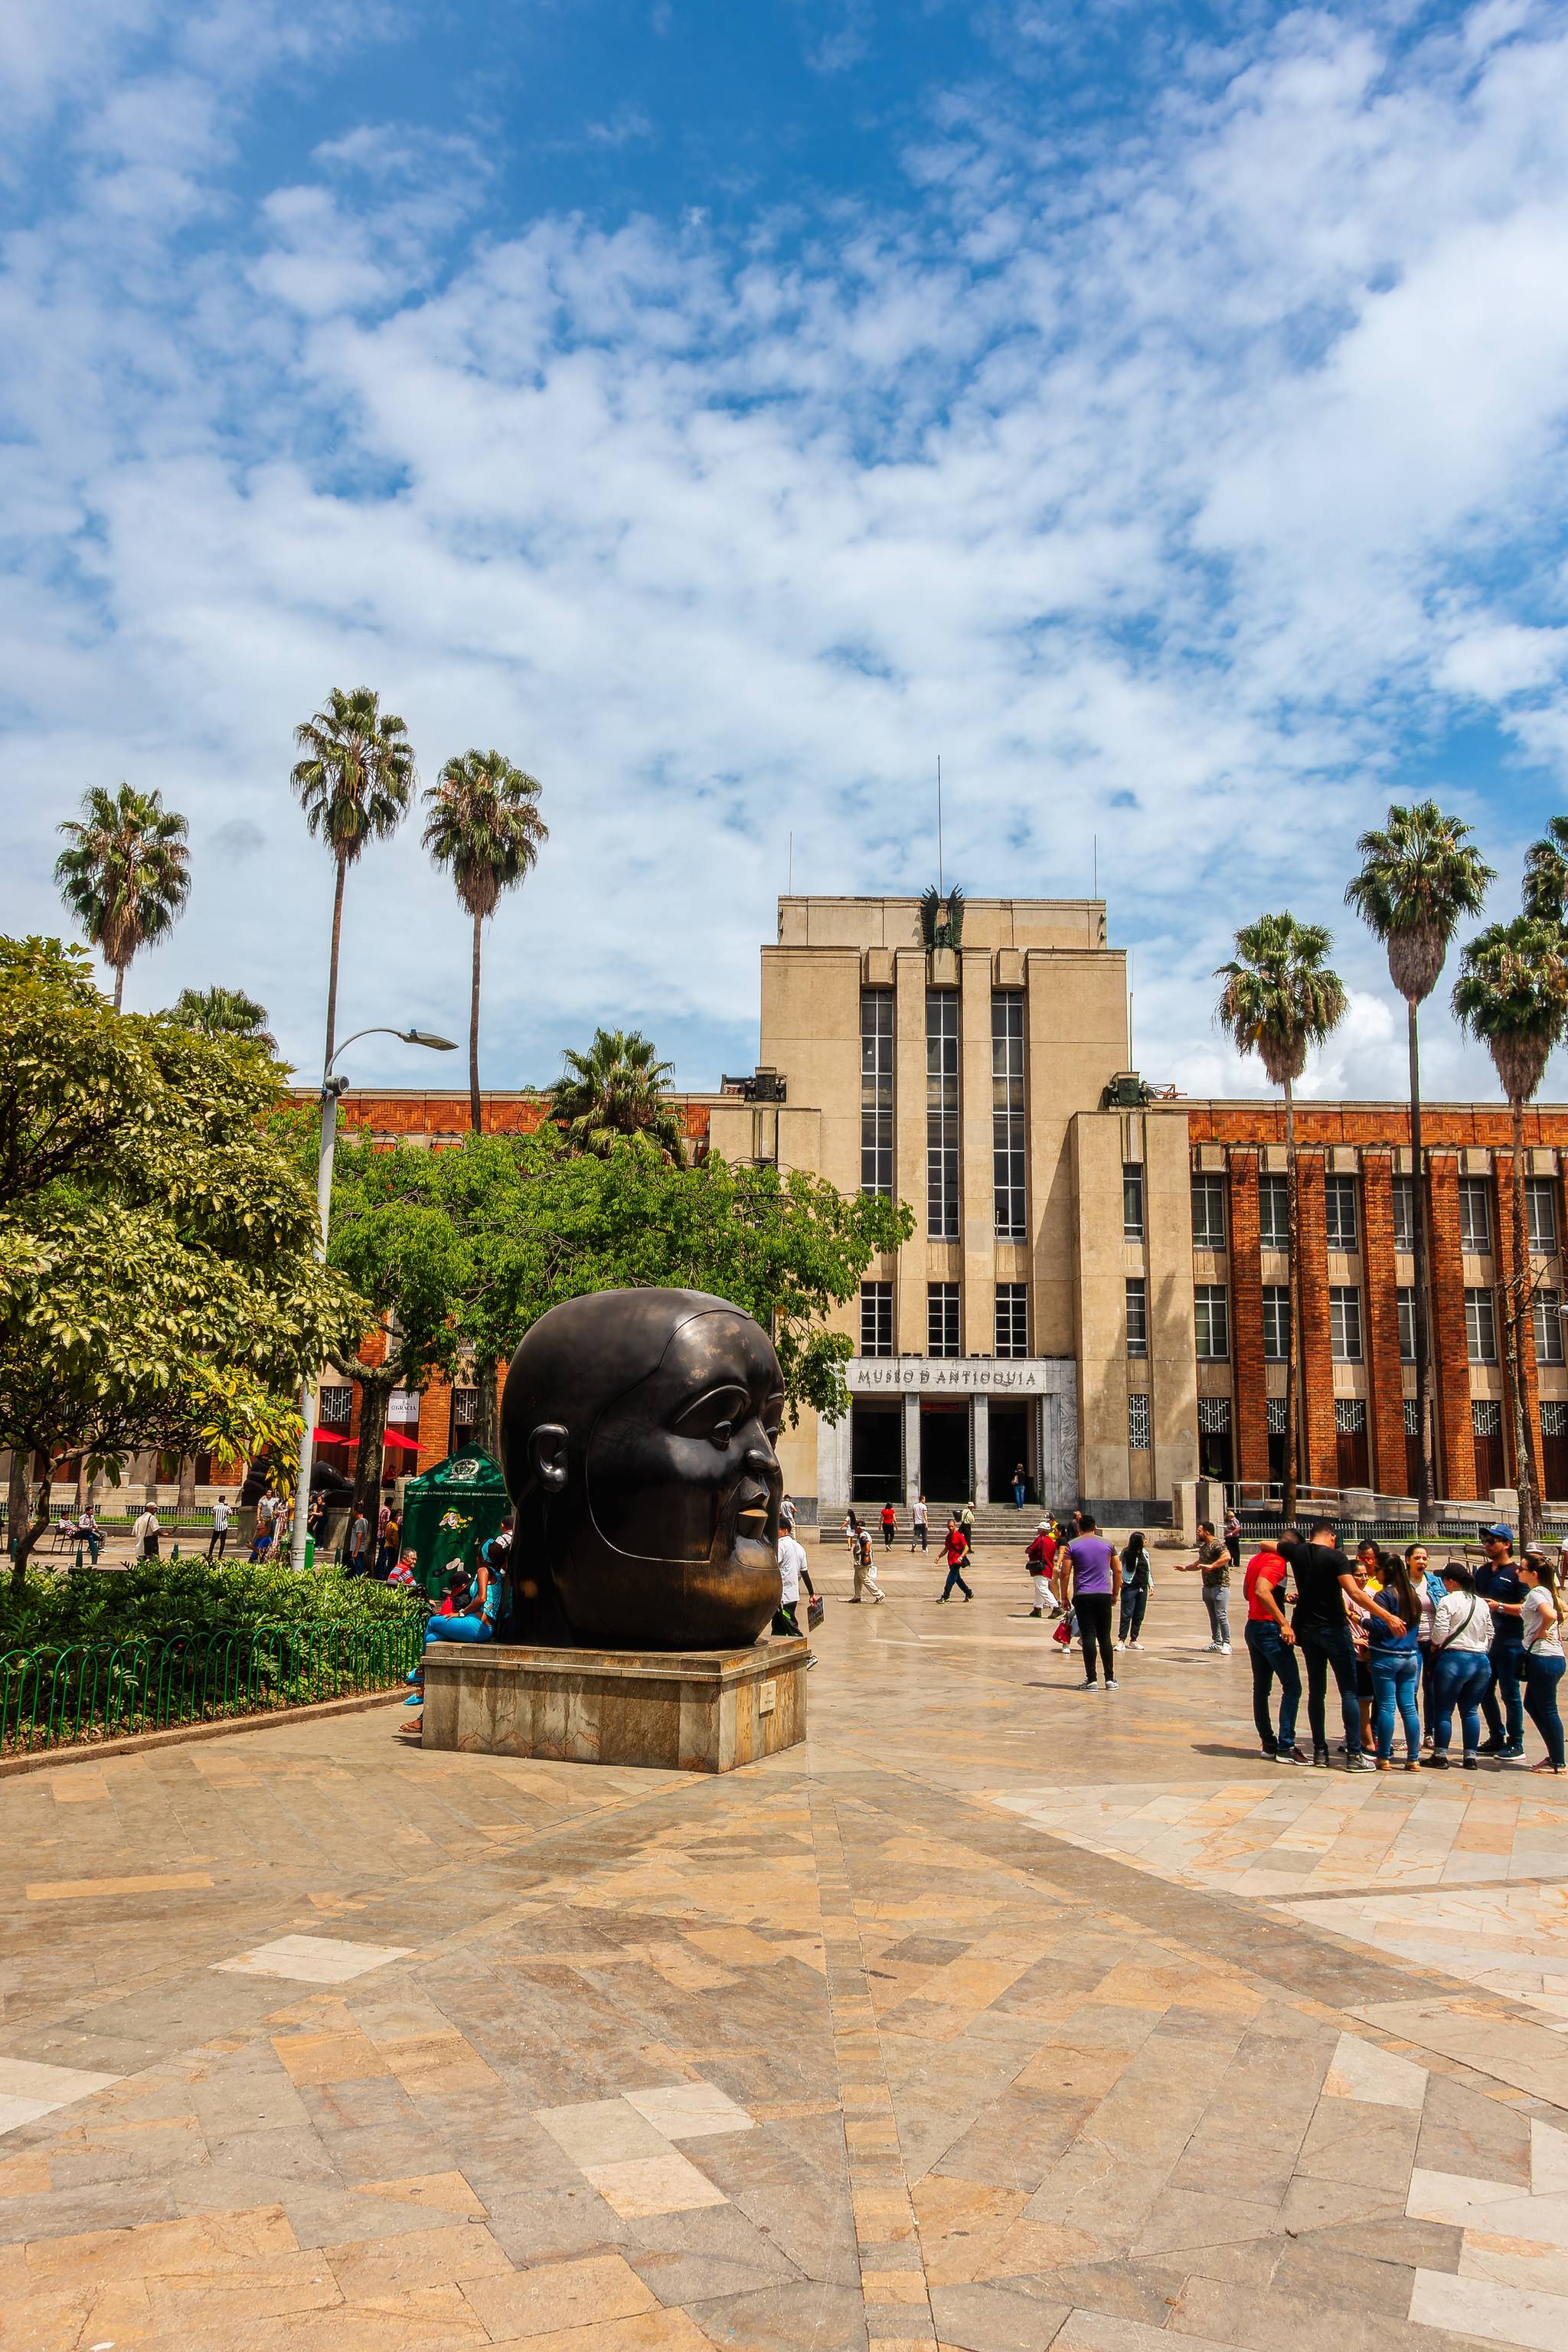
1408 1644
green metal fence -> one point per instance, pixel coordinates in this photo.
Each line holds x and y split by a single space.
56 1696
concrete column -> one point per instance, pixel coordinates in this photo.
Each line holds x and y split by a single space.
911 1448
980 1446
833 1460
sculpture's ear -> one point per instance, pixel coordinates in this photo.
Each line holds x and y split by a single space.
547 1455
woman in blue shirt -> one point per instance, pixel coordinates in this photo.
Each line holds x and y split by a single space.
1394 1655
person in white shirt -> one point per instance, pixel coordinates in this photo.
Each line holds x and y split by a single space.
146 1534
217 1542
787 1516
919 1523
793 1574
1542 1616
1461 1647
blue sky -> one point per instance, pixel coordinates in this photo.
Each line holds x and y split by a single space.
1157 411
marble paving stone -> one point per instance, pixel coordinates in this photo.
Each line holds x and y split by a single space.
689 2110
1500 2315
313 1960
666 2183
1378 2077
28 2090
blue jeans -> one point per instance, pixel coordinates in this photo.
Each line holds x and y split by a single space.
458 1628
1273 1660
1395 1679
1463 1679
1541 1676
1506 1668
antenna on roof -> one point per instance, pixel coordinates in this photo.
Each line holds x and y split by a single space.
939 875
789 888
1095 892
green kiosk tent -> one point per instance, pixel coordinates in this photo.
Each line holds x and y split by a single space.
449 1511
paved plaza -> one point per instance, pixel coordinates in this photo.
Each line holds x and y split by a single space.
1000 2016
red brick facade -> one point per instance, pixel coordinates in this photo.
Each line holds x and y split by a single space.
1385 1405
1321 1466
1450 1354
1249 1416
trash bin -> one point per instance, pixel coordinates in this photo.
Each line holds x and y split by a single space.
309 1551
449 1511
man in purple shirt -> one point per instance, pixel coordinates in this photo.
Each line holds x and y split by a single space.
1094 1580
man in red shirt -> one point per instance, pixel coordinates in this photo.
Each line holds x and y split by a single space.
1271 1646
1039 1557
890 1521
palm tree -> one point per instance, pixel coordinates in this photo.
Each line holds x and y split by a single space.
1281 999
222 1012
1513 995
354 784
484 822
126 874
1418 876
617 1089
1546 875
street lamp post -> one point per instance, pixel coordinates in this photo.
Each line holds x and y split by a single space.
332 1090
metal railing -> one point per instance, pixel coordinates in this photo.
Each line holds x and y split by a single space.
54 1697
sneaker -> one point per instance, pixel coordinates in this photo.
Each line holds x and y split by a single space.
855 1600
1511 1755
1209 1648
1135 1645
1224 1649
1359 1762
1289 1755
1111 1683
1037 1612
1473 1763
1088 1686
1436 1762
1490 1747
1320 1758
1269 1755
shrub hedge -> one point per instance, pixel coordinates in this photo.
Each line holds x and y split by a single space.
159 1598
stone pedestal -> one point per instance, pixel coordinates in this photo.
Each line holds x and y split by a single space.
684 1710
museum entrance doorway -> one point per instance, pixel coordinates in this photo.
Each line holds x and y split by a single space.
944 1452
875 1430
1009 1445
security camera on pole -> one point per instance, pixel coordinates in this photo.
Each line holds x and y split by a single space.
333 1089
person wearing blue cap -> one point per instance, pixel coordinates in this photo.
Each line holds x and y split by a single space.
1503 1589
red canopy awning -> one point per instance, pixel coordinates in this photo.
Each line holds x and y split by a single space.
333 1437
395 1437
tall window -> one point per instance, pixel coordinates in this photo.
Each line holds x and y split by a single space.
876 1318
876 1092
1208 1212
1274 1211
1547 1314
1404 1213
464 1409
1405 1298
1340 1212
1012 1319
941 1318
1276 1322
1007 1111
1480 1328
941 1114
334 1406
1540 1214
1132 1202
1212 1318
1138 1422
1137 1316
1344 1325
1475 1214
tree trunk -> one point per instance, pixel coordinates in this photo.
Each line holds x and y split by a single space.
487 1408
474 1031
17 1497
373 1395
1517 1306
119 984
1293 1317
28 1529
1426 1474
332 966
186 1498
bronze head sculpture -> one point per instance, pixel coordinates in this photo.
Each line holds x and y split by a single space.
637 1431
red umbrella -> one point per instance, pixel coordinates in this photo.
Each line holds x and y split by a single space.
333 1437
395 1437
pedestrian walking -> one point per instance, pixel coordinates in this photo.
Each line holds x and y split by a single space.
786 1515
1213 1564
1542 1624
1499 1586
966 1521
956 1552
1324 1576
1462 1635
864 1570
918 1517
794 1573
145 1532
889 1522
1020 1481
217 1542
388 1542
1040 1558
1230 1534
359 1540
1137 1580
1393 1658
1271 1652
1094 1579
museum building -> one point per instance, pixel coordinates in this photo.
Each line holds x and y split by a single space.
1096 1287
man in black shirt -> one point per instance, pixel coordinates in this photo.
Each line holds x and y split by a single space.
1323 1576
1501 1588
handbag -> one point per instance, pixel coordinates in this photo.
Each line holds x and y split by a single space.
814 1609
1062 1633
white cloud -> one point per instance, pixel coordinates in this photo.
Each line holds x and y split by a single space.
1192 480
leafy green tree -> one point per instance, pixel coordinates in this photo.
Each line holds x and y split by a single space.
1546 875
159 1287
617 1089
124 873
222 1012
1419 875
1512 995
354 782
483 823
1281 999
